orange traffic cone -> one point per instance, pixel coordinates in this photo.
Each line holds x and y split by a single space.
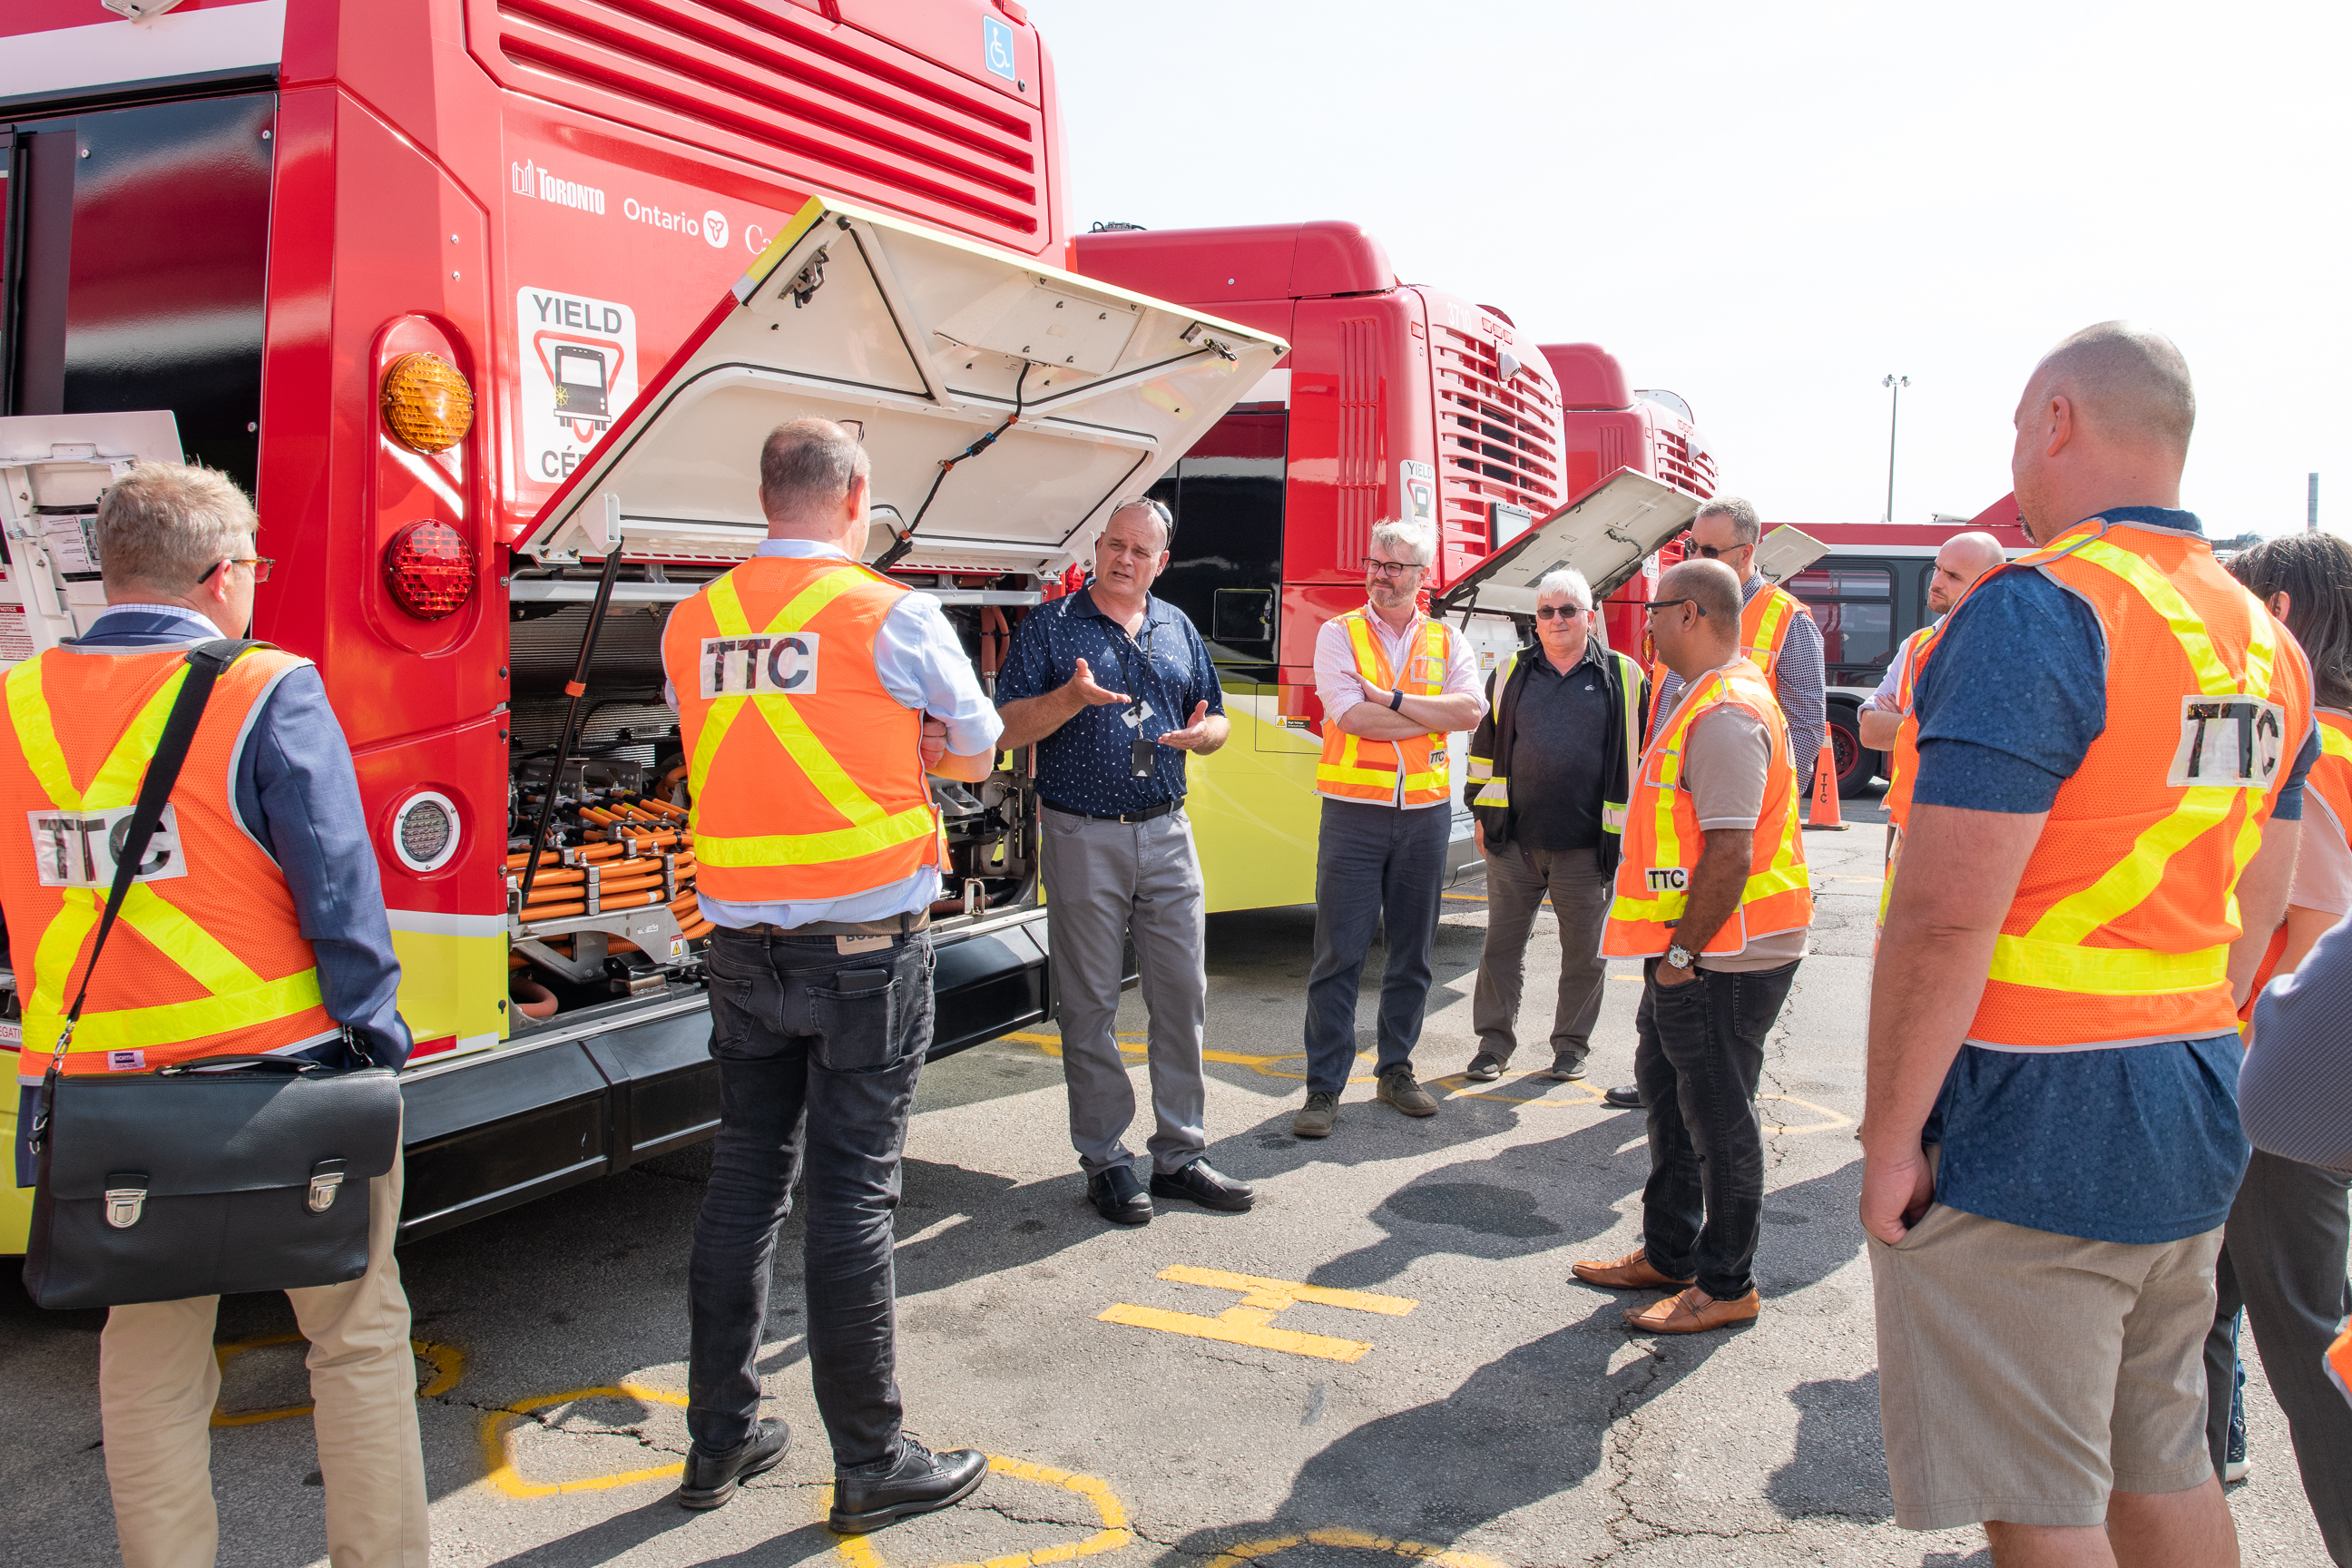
1824 812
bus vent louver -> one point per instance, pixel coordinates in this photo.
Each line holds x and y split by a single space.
1496 440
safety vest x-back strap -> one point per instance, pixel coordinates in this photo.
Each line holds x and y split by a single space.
1663 840
208 957
1356 768
2120 929
805 775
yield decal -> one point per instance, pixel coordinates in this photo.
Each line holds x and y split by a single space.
579 372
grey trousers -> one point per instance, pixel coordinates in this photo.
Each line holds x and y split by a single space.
1517 881
2283 1257
1104 882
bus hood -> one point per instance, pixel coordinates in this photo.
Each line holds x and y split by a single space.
929 345
1604 533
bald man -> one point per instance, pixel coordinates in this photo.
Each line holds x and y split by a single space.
2113 739
1964 558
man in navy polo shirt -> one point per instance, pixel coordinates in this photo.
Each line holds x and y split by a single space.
1113 686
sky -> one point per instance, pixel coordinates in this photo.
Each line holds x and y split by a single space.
1768 210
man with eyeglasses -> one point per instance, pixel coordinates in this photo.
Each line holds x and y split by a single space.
1113 686
1777 635
1551 768
267 936
1394 684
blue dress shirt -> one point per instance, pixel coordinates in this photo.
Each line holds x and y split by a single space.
1084 765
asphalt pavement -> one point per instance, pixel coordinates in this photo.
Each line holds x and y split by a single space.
1387 1359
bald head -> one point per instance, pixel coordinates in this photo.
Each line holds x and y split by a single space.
2104 423
1714 585
1964 558
2127 385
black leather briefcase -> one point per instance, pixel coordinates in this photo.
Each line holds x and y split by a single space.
165 1185
206 1178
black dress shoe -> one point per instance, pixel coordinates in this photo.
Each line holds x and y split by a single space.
919 1482
1119 1197
1624 1097
1204 1186
712 1478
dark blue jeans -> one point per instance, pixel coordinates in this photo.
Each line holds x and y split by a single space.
1698 1056
1375 867
817 1052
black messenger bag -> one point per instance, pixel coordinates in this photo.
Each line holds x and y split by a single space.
228 1174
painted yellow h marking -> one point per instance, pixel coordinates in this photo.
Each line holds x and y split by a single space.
1252 1322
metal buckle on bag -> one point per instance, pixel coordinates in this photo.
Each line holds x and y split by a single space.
123 1205
323 1187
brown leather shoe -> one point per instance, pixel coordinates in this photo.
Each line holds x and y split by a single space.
1631 1272
1693 1312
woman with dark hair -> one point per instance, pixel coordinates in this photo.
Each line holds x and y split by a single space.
2284 1247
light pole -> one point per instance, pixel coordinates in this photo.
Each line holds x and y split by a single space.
1893 384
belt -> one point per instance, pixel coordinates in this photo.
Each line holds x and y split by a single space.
1147 813
897 925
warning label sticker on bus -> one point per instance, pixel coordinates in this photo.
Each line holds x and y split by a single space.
579 372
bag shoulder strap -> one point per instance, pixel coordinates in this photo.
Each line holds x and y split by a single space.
205 661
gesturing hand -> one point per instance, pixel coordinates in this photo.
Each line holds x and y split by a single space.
935 740
1094 696
1193 736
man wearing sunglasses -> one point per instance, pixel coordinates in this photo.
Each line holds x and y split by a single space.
1394 685
1551 771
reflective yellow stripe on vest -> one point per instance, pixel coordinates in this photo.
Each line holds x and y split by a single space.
2052 956
240 999
870 830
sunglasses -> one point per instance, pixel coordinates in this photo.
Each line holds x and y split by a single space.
1391 569
1654 605
261 564
1560 612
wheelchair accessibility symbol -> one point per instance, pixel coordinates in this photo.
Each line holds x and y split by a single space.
997 47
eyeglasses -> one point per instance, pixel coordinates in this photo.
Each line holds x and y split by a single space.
1560 612
1391 569
261 564
1654 605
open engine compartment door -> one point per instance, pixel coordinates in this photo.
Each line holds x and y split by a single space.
928 344
1604 533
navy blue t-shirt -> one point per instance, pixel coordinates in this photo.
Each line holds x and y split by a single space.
2137 1143
1084 767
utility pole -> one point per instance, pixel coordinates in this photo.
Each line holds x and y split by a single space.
2311 513
1894 385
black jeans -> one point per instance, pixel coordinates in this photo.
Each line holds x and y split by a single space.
1376 866
1699 1054
2282 1260
818 1052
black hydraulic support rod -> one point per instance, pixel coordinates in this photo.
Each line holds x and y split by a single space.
578 689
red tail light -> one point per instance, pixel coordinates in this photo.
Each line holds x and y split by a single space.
429 569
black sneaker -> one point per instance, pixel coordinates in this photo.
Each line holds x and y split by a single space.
1485 1068
712 1478
1119 1197
1624 1097
1565 1069
1315 1118
1202 1184
919 1482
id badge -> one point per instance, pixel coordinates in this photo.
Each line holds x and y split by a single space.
1142 760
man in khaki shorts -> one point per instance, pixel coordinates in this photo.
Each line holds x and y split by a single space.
2113 738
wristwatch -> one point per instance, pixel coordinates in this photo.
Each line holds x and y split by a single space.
1681 957
1396 700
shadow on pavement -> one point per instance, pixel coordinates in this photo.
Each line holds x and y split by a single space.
624 1532
1838 1465
1524 1427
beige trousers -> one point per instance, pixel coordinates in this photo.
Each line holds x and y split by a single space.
158 1379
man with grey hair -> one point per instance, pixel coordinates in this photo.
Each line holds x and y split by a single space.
1394 684
1551 768
278 899
1113 686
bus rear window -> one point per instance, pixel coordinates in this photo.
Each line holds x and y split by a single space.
1854 607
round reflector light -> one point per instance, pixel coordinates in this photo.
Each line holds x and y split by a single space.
426 402
425 831
429 569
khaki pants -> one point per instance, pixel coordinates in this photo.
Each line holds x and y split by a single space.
158 1379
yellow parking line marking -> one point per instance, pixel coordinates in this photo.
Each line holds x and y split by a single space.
1466 897
448 1362
1251 1323
498 1443
1835 1119
1452 1081
862 1551
1362 1541
1131 1050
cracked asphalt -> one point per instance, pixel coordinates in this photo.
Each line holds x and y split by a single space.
1507 1418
